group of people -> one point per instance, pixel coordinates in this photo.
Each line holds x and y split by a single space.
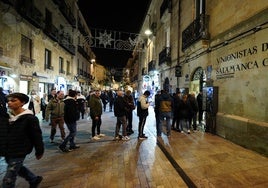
177 111
61 109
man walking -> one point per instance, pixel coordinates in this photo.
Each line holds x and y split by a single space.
55 109
71 115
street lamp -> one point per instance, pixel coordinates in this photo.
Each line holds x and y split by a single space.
148 31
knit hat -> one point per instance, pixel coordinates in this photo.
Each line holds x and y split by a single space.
22 97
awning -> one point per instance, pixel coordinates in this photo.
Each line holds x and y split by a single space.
4 65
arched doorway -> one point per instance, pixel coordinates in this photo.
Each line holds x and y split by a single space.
197 80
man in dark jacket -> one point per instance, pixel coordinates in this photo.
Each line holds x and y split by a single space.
71 115
95 114
120 106
129 111
17 139
166 105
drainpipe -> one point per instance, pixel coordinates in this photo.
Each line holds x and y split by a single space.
179 38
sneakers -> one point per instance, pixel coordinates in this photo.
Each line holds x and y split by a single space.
125 138
117 138
51 141
74 147
101 135
64 149
188 131
182 131
95 138
36 182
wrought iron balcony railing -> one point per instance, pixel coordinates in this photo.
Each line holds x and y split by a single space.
197 30
151 65
165 56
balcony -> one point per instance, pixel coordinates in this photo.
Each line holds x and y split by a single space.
83 52
52 32
82 29
165 8
66 12
27 60
31 14
65 41
197 30
165 56
151 65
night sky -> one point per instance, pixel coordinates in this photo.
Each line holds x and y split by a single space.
117 15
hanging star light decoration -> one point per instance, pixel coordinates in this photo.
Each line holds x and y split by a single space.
105 39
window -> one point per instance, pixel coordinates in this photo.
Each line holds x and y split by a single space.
61 66
26 49
68 68
48 60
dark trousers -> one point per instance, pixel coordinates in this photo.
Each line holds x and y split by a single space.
96 123
129 120
142 121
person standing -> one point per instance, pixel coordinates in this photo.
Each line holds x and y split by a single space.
193 111
55 109
142 112
129 111
166 105
176 118
52 94
105 99
18 136
44 105
184 113
34 103
111 96
120 106
95 114
71 115
156 108
3 102
81 102
199 99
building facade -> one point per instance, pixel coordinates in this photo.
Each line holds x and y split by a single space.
44 45
201 45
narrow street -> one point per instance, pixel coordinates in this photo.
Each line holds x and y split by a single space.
198 159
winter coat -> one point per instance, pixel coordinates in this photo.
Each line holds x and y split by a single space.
166 103
55 108
142 106
20 135
95 106
71 112
120 106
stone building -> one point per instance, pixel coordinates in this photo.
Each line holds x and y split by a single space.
43 44
201 45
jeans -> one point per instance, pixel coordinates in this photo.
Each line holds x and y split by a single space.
142 120
95 124
14 168
121 120
163 116
70 138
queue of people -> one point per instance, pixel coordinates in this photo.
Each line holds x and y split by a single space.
178 112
